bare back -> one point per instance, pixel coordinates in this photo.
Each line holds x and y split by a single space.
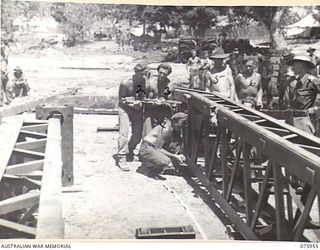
194 64
160 135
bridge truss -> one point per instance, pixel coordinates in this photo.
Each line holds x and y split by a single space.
30 179
263 173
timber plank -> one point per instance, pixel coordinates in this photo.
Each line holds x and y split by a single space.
300 225
279 199
36 128
9 133
24 168
245 230
28 214
17 227
26 104
41 143
31 134
19 202
50 222
247 182
28 153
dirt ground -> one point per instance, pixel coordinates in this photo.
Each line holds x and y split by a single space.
53 70
108 203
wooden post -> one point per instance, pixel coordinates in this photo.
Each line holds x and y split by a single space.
66 121
206 139
247 181
279 199
224 162
9 133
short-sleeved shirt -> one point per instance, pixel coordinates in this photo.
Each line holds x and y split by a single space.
315 59
303 92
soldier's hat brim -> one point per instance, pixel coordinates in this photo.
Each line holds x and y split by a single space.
219 56
304 59
311 49
17 69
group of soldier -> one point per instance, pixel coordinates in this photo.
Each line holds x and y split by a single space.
247 79
144 100
18 87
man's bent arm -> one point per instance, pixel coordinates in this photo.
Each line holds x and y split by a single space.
233 94
167 153
123 93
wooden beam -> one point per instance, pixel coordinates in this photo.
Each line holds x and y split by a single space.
259 121
28 214
20 181
95 111
50 221
18 202
36 128
37 175
224 160
26 104
41 143
263 196
235 168
275 147
24 168
107 129
289 136
196 95
9 133
312 149
35 135
214 155
29 154
17 227
279 200
236 110
300 225
296 199
35 122
243 228
247 182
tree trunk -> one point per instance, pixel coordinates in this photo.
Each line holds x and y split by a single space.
144 27
277 39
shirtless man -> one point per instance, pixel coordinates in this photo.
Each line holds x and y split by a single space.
158 87
219 79
206 64
130 93
248 86
153 152
193 66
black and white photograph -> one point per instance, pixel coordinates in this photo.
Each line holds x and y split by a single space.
159 122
